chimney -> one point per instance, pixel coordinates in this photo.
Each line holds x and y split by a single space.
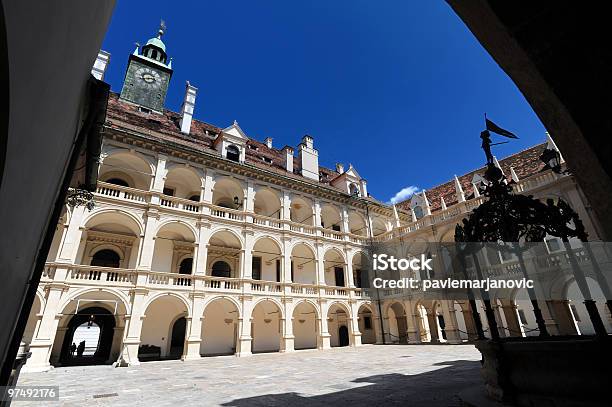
309 158
268 142
288 158
443 203
426 202
187 108
100 65
513 175
340 168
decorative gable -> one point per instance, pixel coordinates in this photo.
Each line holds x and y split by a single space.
231 143
350 182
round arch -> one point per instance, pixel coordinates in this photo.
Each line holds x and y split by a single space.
266 325
219 333
305 327
106 216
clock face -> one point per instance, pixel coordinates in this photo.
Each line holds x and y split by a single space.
148 77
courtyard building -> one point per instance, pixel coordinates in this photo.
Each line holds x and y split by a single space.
205 242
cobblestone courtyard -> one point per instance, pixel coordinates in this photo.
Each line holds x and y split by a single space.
416 375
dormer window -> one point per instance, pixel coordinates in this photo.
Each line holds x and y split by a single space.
233 153
267 160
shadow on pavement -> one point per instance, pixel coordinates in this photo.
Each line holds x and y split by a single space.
435 388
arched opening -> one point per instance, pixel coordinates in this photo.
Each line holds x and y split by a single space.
182 182
398 324
224 247
578 310
338 323
334 268
221 269
378 226
106 258
232 153
163 330
330 218
343 336
228 193
173 243
366 325
267 203
357 224
118 181
219 328
354 190
301 211
266 260
360 270
266 327
305 326
186 266
126 169
303 265
125 232
88 338
177 338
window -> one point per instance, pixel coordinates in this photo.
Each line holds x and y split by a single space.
168 191
221 269
105 258
367 322
256 263
117 181
278 271
195 198
418 212
353 190
186 266
553 244
292 279
336 228
339 274
232 153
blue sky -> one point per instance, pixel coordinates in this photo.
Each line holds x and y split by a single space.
397 88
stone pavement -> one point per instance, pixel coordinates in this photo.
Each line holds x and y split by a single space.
412 375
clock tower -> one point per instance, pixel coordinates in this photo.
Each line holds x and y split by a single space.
148 75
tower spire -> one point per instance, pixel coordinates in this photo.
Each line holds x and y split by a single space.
162 29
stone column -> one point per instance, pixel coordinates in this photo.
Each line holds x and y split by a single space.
501 329
201 255
72 240
470 324
377 330
287 338
245 339
133 326
451 326
320 266
355 333
246 268
350 280
412 329
323 341
514 325
46 332
433 326
194 337
148 241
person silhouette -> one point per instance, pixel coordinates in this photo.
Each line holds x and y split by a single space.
486 145
81 349
73 349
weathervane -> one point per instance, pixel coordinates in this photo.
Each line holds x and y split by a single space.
486 138
162 28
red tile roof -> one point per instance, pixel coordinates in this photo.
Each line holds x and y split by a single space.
201 136
524 163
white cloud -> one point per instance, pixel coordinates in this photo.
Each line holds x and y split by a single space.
404 194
